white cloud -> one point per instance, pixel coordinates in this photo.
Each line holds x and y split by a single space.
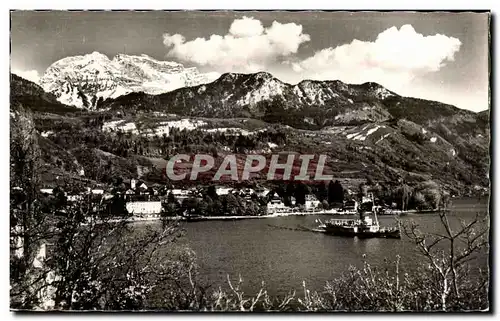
31 75
246 27
248 46
395 58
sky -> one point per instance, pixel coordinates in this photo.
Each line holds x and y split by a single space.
437 56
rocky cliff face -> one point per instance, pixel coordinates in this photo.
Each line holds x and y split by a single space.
85 81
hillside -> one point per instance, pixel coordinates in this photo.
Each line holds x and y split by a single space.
368 132
32 96
308 105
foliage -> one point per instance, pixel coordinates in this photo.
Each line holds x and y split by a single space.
335 192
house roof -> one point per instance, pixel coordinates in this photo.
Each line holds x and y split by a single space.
223 190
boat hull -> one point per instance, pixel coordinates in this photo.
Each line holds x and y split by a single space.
361 233
382 234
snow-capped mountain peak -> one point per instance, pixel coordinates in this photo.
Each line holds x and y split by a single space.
83 81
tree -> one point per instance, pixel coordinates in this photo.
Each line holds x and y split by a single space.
432 197
322 192
362 190
289 191
324 205
335 192
59 198
190 206
117 206
419 200
212 192
404 193
231 205
450 265
300 193
170 209
27 222
93 264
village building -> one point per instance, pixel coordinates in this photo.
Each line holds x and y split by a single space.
46 190
350 206
311 202
143 187
144 208
367 199
263 193
276 205
74 198
180 193
223 190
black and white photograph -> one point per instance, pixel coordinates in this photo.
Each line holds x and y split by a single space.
250 161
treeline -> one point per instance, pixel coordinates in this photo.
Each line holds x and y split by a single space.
427 195
215 205
126 144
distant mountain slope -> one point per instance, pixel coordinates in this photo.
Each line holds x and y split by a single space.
32 96
84 81
318 104
366 130
309 104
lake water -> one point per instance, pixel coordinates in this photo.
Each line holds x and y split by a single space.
284 258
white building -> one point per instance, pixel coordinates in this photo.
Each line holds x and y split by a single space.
366 199
263 193
311 202
74 198
277 206
223 190
180 193
144 208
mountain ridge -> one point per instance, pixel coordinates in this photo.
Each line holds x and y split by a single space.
385 137
237 94
83 81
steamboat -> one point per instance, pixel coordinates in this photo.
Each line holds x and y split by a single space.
363 227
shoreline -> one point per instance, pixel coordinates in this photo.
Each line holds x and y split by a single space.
249 217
